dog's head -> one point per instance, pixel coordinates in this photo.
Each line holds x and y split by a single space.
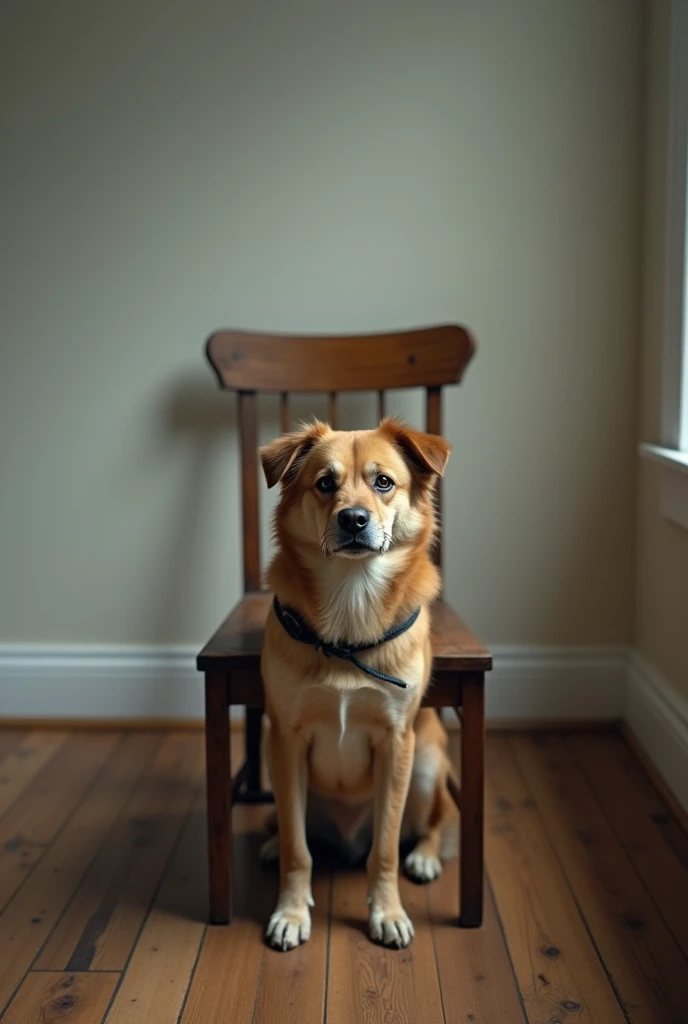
356 494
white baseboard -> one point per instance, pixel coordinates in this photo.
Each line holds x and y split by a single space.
82 682
658 717
556 684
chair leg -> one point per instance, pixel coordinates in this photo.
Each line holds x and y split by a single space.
218 783
254 728
472 785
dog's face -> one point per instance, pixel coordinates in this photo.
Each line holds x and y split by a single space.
356 494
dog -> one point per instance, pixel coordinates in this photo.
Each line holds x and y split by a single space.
346 661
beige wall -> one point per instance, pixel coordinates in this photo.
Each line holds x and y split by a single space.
171 168
662 546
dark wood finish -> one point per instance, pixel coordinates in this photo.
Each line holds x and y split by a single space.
248 415
254 729
239 640
651 836
472 800
217 753
543 948
432 356
162 963
473 965
25 762
650 972
558 971
250 363
99 930
28 920
33 820
50 997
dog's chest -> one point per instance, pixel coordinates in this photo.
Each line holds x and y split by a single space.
341 733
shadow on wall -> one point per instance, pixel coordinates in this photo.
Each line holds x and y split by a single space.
196 415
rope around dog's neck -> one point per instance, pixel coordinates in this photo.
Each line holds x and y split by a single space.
298 629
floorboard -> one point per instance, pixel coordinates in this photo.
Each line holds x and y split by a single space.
32 822
48 997
102 863
10 739
555 958
29 918
158 974
24 761
650 971
100 927
643 824
368 982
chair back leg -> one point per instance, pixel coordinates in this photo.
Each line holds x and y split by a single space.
472 798
218 784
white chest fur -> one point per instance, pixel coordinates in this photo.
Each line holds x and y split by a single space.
352 593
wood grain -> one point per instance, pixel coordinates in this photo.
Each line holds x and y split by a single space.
163 960
29 917
650 972
99 928
51 998
218 798
369 983
472 801
22 765
543 870
245 361
555 961
281 995
10 739
231 958
30 825
644 826
473 965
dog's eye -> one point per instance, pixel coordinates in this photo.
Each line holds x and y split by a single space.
383 483
326 484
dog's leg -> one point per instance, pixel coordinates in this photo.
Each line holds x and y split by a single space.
430 814
389 922
291 922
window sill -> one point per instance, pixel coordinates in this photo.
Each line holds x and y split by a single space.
673 496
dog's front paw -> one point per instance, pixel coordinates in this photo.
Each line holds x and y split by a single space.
421 868
288 927
393 929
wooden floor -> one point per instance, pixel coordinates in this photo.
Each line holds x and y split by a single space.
102 890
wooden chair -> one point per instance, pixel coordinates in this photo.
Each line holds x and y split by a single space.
251 363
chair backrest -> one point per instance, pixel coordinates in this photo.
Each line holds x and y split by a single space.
249 363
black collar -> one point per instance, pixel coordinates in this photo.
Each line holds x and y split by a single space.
299 630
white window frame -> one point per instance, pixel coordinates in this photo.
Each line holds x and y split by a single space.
672 452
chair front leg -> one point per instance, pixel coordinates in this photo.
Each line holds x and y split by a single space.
218 785
472 799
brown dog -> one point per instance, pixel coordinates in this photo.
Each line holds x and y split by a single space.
354 525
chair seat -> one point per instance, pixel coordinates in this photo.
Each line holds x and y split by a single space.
239 640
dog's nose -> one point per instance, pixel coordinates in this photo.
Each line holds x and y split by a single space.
353 520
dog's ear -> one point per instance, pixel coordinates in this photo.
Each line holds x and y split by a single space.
282 457
427 454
